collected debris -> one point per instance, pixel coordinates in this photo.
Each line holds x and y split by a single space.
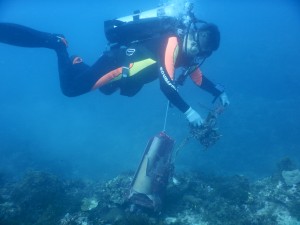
207 134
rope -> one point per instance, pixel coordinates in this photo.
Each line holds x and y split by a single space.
166 116
180 147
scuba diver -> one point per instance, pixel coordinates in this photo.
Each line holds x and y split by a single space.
128 66
143 47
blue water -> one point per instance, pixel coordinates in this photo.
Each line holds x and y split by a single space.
96 136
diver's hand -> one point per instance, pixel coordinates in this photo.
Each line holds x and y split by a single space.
224 99
193 117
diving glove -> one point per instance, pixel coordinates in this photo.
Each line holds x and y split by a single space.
193 117
224 99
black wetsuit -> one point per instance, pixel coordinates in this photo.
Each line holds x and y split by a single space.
126 68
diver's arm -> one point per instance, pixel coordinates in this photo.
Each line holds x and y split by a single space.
168 53
204 83
168 88
214 89
167 84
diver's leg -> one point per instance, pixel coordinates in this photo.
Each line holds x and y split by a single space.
75 79
19 35
72 75
79 78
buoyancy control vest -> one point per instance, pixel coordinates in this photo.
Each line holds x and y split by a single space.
169 19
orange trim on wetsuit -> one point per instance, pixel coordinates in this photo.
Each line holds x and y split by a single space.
196 76
107 77
171 55
116 74
171 52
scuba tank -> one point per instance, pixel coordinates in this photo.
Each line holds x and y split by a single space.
119 32
149 24
167 10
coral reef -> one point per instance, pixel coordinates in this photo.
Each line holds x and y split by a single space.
195 199
291 177
39 198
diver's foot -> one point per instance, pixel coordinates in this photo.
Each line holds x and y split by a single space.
57 42
62 40
76 59
78 64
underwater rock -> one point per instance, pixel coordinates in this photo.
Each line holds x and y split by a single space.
198 199
291 177
42 198
8 212
171 220
285 164
235 189
89 204
275 200
185 218
294 209
76 219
